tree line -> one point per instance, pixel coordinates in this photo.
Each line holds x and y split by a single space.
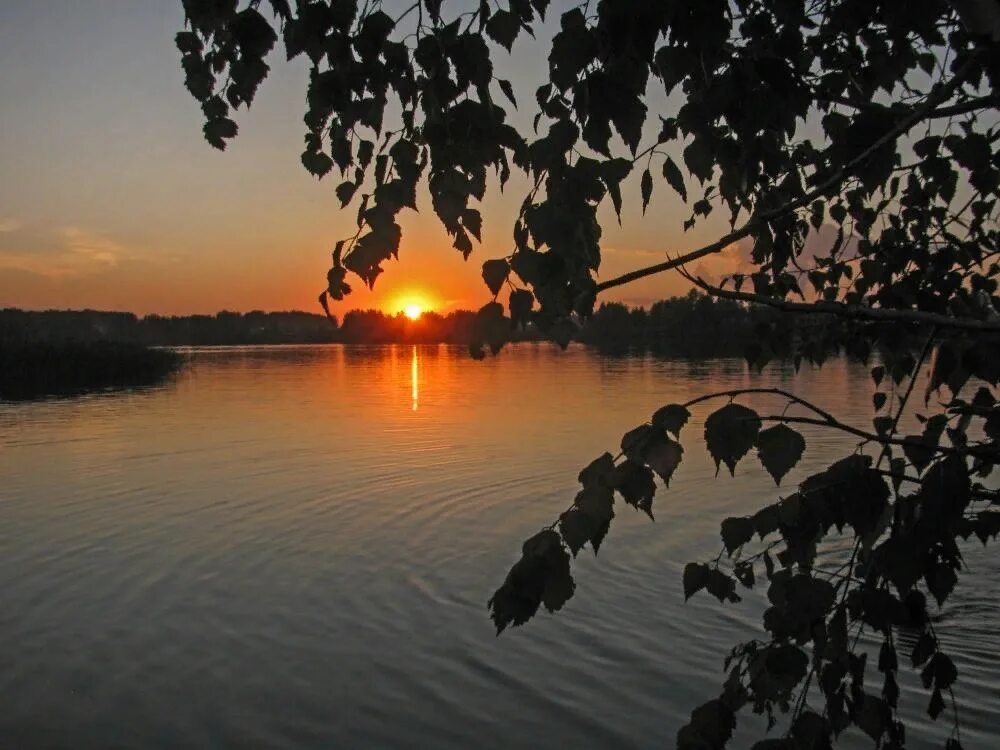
695 325
223 328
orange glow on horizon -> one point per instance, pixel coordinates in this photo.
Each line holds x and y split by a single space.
412 303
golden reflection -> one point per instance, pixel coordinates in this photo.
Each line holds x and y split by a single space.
414 383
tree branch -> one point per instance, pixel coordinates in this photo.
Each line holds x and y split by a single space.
963 108
974 450
960 108
904 125
776 391
845 310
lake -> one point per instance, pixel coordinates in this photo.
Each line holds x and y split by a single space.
292 547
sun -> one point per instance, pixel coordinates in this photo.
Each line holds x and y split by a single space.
414 304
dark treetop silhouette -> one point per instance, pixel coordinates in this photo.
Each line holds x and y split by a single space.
877 117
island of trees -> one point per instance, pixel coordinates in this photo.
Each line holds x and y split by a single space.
36 369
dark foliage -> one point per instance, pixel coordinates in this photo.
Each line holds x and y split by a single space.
876 120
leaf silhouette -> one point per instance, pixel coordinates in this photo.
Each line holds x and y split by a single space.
671 418
736 532
521 302
730 433
695 578
503 28
663 456
598 472
779 448
646 185
542 575
507 90
636 484
495 273
672 174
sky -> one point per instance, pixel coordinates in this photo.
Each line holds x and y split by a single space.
111 199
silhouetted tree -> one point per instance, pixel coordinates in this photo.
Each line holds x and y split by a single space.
875 117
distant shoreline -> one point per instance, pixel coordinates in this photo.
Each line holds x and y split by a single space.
690 326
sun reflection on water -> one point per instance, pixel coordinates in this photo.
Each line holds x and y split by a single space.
414 382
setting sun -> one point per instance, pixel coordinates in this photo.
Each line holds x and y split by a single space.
413 303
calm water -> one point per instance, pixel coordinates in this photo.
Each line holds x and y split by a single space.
293 548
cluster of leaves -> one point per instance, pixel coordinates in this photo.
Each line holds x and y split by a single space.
647 450
755 75
435 75
873 122
905 515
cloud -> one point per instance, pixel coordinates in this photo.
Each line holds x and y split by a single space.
93 248
733 259
59 253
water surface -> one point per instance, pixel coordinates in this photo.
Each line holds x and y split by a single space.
292 547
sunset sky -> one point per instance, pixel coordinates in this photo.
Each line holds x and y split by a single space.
111 199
